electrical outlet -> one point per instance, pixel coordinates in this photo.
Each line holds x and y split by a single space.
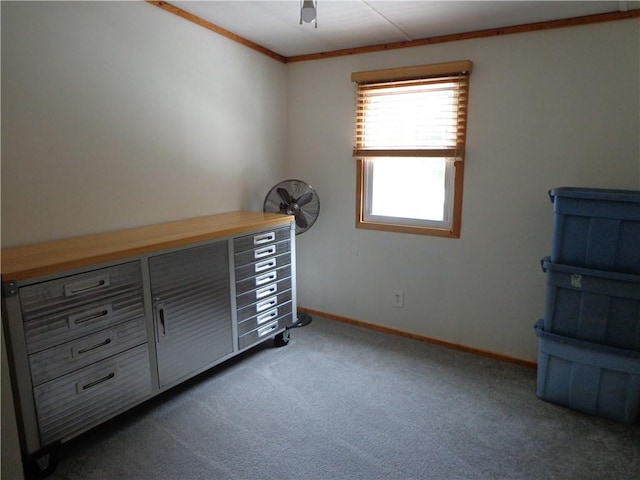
398 298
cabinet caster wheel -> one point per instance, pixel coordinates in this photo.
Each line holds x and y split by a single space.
282 339
37 468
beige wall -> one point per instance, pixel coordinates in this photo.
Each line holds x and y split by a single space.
546 109
118 114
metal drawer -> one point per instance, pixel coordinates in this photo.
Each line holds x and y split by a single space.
80 400
263 305
61 294
262 266
264 332
263 279
261 238
263 293
65 358
263 318
69 325
257 254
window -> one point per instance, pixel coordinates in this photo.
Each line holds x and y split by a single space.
409 144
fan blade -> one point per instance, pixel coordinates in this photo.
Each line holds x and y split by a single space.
304 199
284 195
301 220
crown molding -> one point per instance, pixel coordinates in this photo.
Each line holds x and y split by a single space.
456 37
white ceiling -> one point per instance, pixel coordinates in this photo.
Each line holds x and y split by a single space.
342 24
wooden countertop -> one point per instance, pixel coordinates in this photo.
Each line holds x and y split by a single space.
28 261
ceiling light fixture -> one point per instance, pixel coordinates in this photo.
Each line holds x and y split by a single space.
309 12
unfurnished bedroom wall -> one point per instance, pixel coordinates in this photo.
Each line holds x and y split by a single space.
547 109
119 114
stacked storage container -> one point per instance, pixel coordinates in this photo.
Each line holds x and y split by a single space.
589 338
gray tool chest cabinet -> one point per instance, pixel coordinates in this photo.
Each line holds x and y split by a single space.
98 324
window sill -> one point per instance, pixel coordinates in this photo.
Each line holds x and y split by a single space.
390 227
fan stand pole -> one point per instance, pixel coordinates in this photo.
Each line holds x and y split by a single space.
304 319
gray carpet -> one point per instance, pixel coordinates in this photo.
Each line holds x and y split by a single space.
343 402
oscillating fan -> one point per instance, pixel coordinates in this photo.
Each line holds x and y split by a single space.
297 198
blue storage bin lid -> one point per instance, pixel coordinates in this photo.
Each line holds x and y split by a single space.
589 352
604 194
548 265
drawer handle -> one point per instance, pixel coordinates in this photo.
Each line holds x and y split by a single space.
81 351
266 265
98 313
95 383
160 320
269 277
272 302
265 292
264 238
264 252
85 286
265 317
162 324
267 329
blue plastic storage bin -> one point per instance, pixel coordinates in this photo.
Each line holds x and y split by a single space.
587 377
592 305
596 228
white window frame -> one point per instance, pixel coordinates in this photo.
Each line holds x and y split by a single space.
445 223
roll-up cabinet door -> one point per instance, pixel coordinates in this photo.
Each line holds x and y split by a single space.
191 309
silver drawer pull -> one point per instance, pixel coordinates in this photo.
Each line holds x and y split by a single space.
78 351
269 277
264 238
264 252
266 330
265 292
160 319
262 306
265 317
95 383
98 313
266 265
85 286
